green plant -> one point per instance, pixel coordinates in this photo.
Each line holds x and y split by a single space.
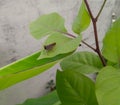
73 86
51 99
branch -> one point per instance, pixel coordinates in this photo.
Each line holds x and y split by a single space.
94 21
89 10
89 46
101 9
97 44
73 36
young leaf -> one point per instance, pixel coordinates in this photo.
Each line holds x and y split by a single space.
111 43
83 62
82 21
75 89
108 86
63 45
47 25
25 68
49 99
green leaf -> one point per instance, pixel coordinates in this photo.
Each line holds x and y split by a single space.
82 21
8 80
49 99
47 25
23 64
111 43
63 45
115 65
25 68
75 89
83 62
108 86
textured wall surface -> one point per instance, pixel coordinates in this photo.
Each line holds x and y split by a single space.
16 41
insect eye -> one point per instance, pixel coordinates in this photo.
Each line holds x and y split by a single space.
50 46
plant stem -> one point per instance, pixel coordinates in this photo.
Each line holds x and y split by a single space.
97 44
101 9
88 45
71 35
94 21
89 10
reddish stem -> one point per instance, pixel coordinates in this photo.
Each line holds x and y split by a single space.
71 35
88 45
94 21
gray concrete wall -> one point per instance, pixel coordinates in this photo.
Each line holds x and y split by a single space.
16 41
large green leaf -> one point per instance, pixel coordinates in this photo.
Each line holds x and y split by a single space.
63 45
11 79
82 21
75 89
47 25
23 64
25 69
49 99
108 86
111 43
84 62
